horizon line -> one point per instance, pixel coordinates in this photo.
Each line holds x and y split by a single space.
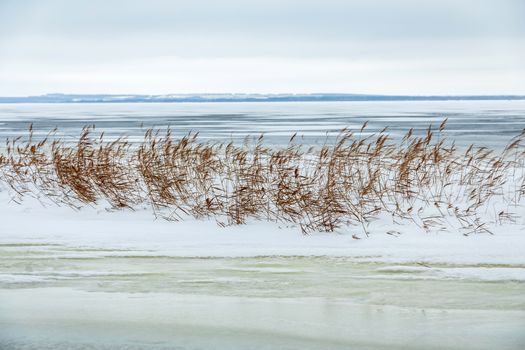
242 97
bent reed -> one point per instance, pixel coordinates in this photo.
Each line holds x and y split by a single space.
424 180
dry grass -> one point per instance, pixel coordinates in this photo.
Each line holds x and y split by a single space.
422 180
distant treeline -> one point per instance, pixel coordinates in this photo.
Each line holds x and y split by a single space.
103 98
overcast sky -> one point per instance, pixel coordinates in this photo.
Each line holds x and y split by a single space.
255 46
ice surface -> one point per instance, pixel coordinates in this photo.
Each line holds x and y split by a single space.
488 123
97 279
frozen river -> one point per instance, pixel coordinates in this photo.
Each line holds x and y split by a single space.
94 279
55 297
488 123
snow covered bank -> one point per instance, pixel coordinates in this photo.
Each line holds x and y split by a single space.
139 233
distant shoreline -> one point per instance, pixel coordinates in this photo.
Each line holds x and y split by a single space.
185 98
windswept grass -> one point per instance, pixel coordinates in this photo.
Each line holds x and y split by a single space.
425 181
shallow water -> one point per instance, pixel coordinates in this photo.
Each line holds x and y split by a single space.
488 123
72 319
459 285
62 297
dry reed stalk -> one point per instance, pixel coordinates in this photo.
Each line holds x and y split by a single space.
357 179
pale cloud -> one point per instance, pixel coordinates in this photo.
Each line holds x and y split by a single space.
377 46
